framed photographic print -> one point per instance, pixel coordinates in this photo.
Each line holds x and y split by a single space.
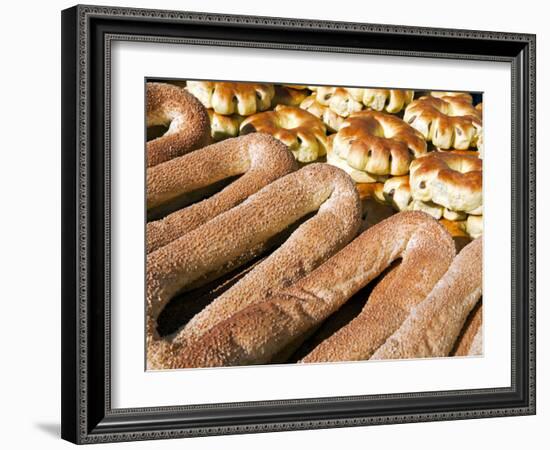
266 222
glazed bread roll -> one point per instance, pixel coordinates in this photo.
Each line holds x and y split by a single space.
186 119
433 326
223 127
303 133
259 157
451 180
374 144
338 99
388 100
257 333
332 120
212 246
233 98
448 121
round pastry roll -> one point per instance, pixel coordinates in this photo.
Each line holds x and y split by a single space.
223 127
397 192
448 122
389 100
451 180
227 98
338 100
371 146
332 120
302 132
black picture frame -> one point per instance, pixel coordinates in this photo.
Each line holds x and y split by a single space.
87 33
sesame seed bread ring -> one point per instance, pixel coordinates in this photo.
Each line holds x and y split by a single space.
388 100
451 180
332 120
187 121
448 122
378 144
471 327
223 127
338 100
259 157
432 327
302 132
225 98
257 333
213 245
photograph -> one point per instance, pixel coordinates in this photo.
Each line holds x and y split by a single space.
296 224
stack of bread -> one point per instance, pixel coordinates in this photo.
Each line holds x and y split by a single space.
260 197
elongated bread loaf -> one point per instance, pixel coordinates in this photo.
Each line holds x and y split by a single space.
239 231
433 326
257 333
259 157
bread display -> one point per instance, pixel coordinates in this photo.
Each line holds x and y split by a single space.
292 223
303 133
256 334
184 117
236 236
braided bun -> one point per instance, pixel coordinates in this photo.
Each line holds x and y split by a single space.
301 131
448 122
225 98
377 144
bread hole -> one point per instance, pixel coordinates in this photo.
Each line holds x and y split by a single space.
411 119
422 185
390 158
248 128
259 96
411 153
391 193
188 199
156 131
181 309
327 96
458 131
369 153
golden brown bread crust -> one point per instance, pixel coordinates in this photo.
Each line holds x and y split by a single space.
181 263
448 122
451 180
303 133
476 349
462 95
223 127
332 120
388 100
433 326
257 333
260 157
471 327
338 99
233 98
285 95
377 143
187 119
